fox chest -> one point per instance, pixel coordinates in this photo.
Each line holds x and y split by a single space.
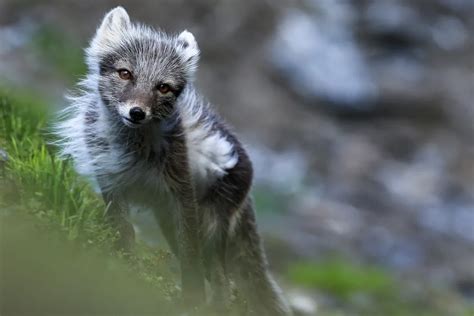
140 161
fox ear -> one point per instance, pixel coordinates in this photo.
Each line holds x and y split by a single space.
115 22
189 50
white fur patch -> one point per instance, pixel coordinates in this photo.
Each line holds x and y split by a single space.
190 47
72 129
73 140
210 153
210 156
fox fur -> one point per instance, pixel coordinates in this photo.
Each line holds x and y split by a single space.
180 161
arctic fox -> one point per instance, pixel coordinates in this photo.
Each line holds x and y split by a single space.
142 132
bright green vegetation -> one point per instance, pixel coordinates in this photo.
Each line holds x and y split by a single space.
341 278
39 182
370 291
35 185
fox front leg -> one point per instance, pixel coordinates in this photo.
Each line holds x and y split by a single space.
117 218
179 179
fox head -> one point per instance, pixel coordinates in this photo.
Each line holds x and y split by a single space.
140 72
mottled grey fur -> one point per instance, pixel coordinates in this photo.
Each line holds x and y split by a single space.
181 161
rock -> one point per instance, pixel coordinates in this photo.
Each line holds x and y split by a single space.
466 287
3 156
3 161
399 24
376 56
283 171
319 58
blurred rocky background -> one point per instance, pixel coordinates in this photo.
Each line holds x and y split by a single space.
358 115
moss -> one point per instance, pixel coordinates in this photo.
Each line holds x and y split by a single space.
341 278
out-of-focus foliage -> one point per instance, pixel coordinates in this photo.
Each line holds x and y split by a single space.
40 274
341 278
37 186
368 290
60 51
37 180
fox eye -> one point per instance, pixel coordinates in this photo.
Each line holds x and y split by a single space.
164 88
124 74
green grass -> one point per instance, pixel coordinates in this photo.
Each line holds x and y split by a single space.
40 183
35 183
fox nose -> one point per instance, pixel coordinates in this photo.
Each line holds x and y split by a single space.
137 114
